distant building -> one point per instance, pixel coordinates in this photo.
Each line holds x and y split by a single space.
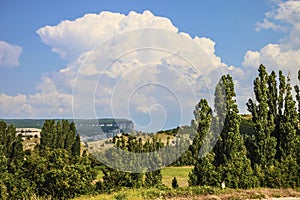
29 132
89 129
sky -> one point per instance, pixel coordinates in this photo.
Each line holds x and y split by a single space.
148 61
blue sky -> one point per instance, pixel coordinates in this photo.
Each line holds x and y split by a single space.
231 25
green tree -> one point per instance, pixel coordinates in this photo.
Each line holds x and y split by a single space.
274 115
12 147
60 135
288 141
153 178
229 153
288 126
230 140
231 156
297 90
263 111
174 183
265 143
76 146
3 174
55 174
201 123
204 172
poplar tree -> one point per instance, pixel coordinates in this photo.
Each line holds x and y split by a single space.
230 140
76 146
201 125
231 160
276 142
288 125
204 172
264 121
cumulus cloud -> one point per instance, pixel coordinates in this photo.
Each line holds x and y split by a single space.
128 66
285 55
47 102
71 38
9 54
266 24
274 56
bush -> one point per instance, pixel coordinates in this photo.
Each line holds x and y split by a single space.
175 183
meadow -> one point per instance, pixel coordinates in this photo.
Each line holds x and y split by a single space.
184 192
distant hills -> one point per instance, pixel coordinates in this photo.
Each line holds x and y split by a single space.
25 123
88 127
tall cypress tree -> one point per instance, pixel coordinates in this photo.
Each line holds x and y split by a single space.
76 146
288 140
230 140
204 172
288 125
279 115
46 134
265 143
201 124
231 161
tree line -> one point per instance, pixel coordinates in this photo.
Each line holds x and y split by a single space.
268 155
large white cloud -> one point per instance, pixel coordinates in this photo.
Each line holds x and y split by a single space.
9 54
152 73
71 38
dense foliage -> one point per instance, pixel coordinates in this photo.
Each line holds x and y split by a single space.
114 178
275 142
228 161
54 169
258 151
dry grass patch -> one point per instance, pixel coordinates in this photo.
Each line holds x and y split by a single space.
181 174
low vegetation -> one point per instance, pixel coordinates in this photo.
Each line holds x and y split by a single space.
199 193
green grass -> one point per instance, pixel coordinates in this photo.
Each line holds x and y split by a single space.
181 174
185 192
168 173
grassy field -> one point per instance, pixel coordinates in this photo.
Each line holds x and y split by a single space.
181 174
168 173
185 192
